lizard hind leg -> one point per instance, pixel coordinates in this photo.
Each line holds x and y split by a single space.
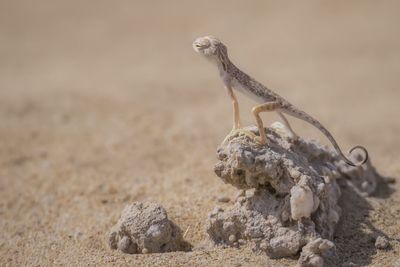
294 136
268 106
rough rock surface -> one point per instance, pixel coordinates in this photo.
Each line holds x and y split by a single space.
312 253
294 193
145 228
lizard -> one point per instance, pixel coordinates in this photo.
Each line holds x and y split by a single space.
234 78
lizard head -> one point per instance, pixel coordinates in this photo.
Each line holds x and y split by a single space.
210 47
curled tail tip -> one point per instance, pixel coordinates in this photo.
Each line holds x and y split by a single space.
366 156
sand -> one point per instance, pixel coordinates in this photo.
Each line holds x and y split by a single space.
104 103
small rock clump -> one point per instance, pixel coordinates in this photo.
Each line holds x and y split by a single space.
312 253
145 228
293 198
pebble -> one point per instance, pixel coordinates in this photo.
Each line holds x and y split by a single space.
241 200
239 194
232 238
263 245
241 241
349 264
364 185
285 216
381 242
223 199
294 173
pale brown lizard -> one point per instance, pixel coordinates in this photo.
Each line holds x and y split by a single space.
233 78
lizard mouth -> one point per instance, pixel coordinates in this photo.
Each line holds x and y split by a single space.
201 44
199 47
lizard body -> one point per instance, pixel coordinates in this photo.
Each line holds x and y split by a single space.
234 78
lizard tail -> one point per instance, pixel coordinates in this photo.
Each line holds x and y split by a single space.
292 111
365 154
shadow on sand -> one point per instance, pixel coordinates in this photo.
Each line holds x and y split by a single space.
355 234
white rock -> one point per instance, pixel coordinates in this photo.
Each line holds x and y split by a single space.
301 202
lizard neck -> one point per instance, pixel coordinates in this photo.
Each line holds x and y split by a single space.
225 72
239 80
224 65
223 60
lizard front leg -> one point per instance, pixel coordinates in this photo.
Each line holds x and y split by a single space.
235 105
269 106
236 119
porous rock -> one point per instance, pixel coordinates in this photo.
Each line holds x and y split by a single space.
295 193
312 253
145 228
257 219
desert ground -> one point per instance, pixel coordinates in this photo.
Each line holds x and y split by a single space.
103 103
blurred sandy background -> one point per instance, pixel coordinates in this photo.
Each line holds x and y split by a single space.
104 102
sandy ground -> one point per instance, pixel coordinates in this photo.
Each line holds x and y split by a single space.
104 103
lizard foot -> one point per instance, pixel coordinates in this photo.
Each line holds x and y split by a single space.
240 132
259 141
